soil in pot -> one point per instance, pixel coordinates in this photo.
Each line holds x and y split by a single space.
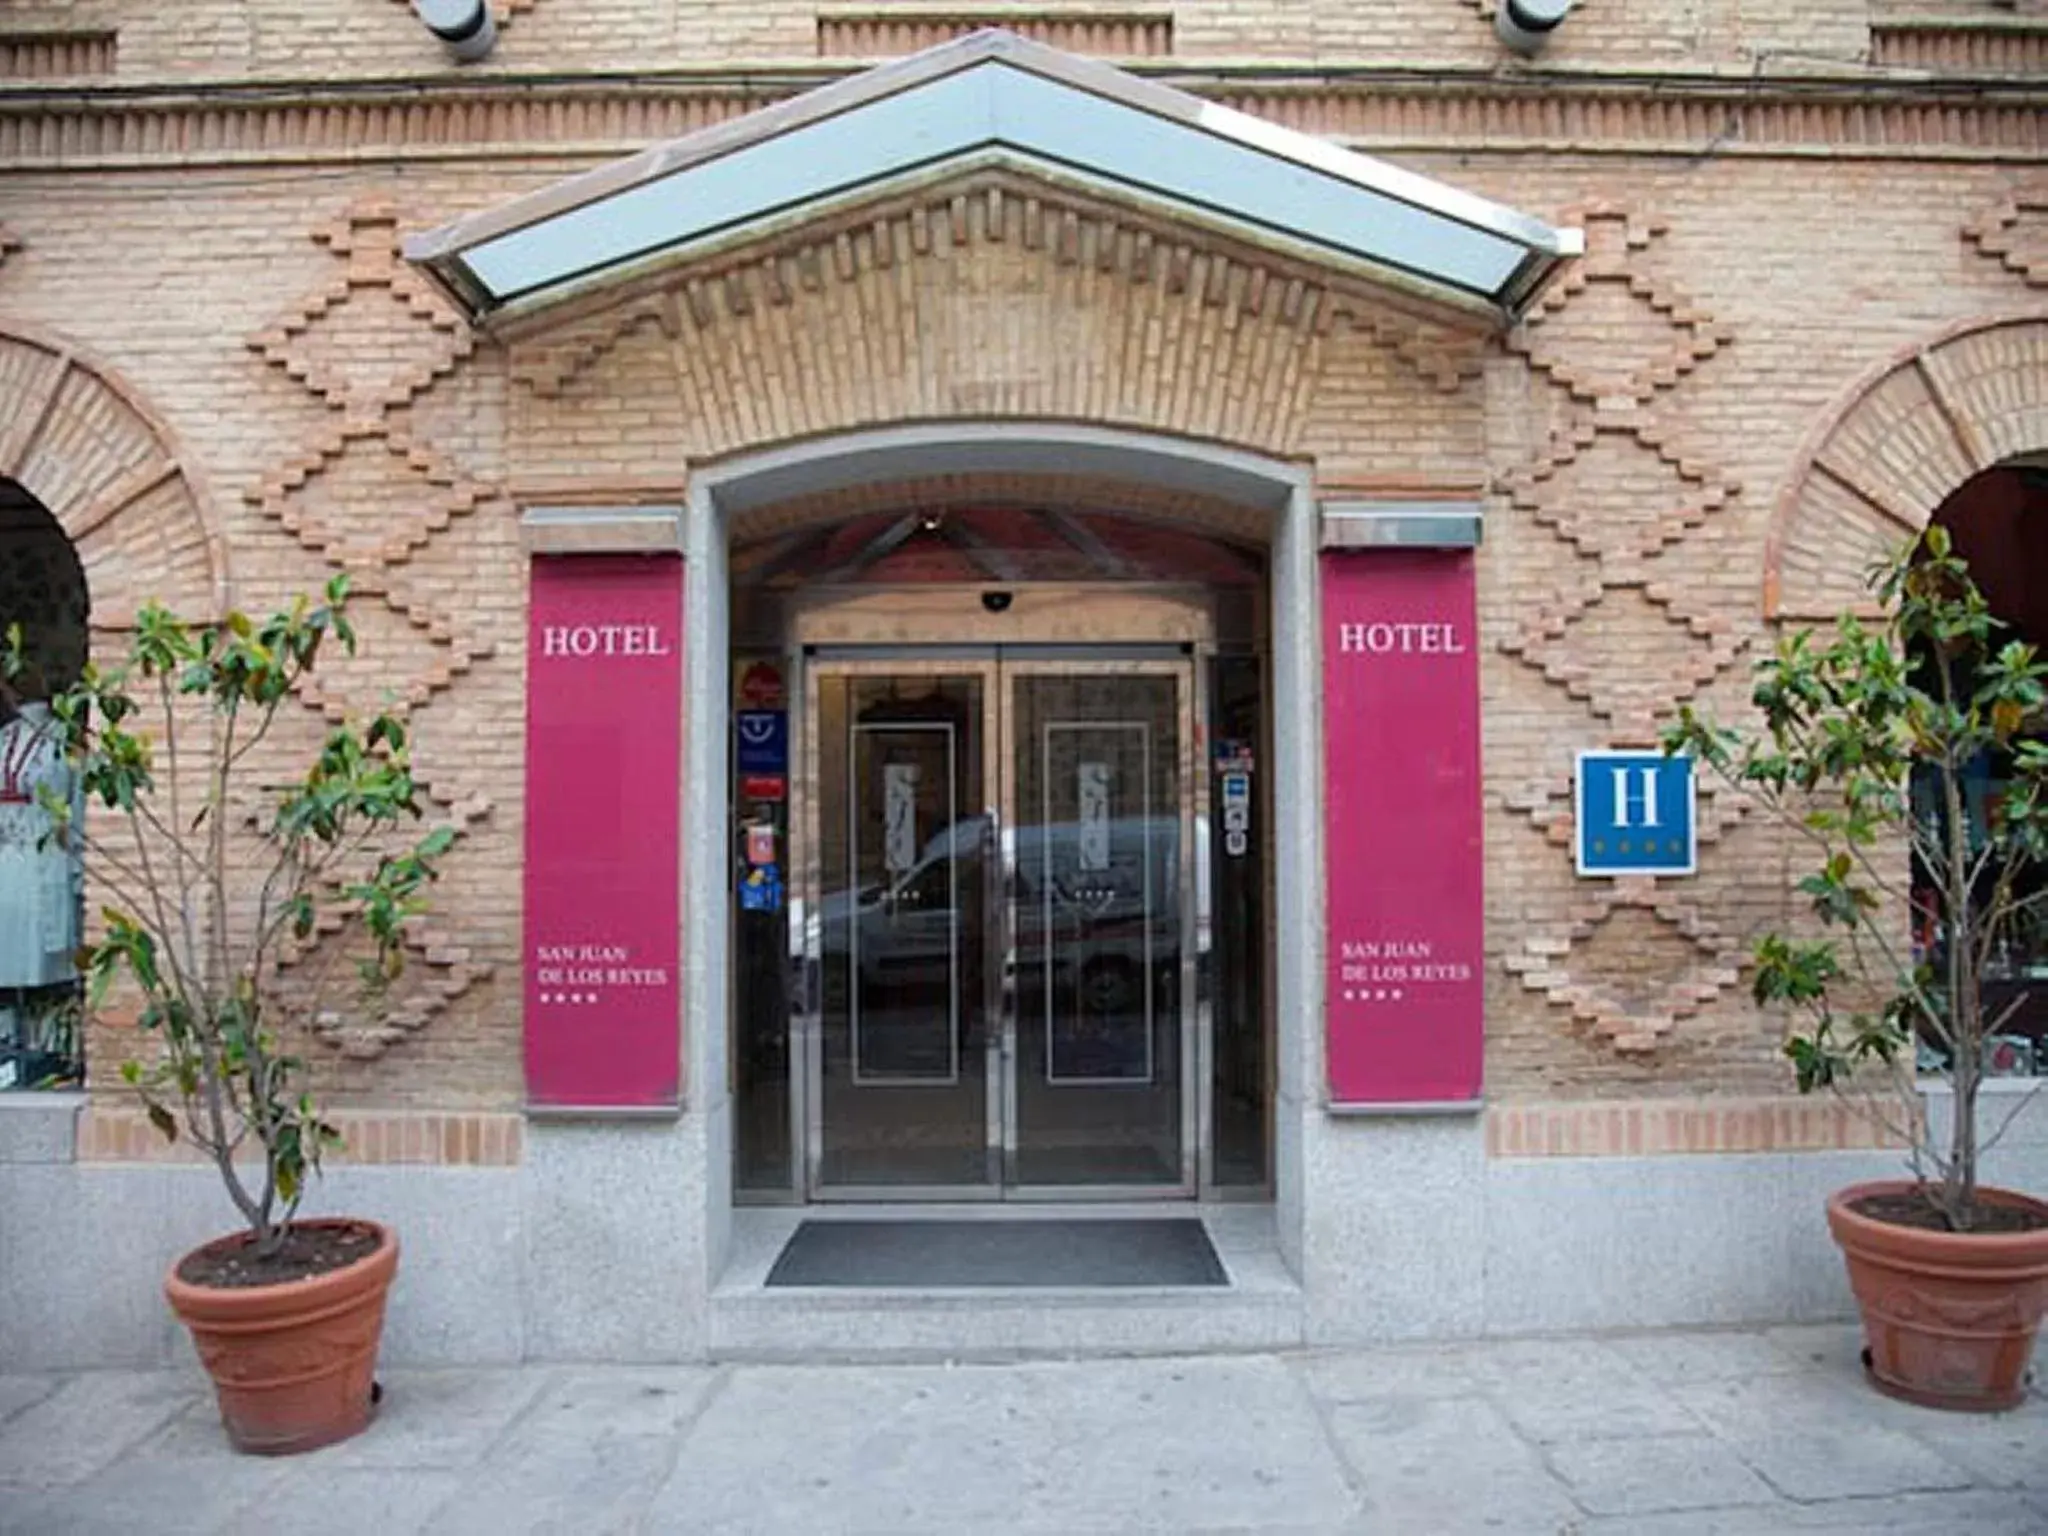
306 1250
1949 1317
1914 1210
290 1340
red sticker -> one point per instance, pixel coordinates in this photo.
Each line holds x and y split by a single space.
763 786
761 686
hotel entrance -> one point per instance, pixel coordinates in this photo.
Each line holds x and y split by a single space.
1002 921
1004 881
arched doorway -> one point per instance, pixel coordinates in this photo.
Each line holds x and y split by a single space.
44 608
1001 847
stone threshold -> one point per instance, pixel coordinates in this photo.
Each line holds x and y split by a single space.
1260 1309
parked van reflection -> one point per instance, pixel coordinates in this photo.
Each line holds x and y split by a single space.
1097 958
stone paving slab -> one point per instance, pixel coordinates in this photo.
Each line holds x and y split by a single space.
1814 1440
1132 1445
339 1501
1947 1514
440 1419
1657 1475
19 1392
1702 1433
87 1423
1426 1464
562 1484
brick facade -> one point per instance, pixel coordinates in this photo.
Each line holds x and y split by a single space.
1815 298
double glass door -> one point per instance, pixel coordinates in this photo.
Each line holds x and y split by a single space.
1000 898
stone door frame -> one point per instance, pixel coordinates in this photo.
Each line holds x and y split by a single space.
720 489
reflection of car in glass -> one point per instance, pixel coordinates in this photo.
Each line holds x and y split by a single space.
911 934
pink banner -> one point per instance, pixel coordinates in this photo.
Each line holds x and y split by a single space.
604 704
1403 844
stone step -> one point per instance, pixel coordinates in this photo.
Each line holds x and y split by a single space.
1261 1308
989 1323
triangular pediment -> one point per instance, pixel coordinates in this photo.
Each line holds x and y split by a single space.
994 101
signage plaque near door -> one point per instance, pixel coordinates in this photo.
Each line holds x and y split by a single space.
761 740
1405 986
761 686
602 884
1635 814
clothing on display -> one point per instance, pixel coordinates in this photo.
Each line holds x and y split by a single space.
39 876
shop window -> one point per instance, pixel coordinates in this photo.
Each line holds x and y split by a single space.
43 595
1999 524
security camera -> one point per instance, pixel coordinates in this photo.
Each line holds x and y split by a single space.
1526 25
997 602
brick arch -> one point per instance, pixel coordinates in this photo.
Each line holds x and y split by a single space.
79 439
1892 450
988 297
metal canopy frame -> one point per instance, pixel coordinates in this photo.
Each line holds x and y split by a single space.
993 99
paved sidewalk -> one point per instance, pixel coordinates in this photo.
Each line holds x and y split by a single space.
1652 1435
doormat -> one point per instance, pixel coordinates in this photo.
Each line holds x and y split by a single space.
921 1255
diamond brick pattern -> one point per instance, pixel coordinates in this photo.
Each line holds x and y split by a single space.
441 967
1673 492
1639 998
1547 803
1610 332
374 336
409 651
334 496
366 495
1626 634
1674 651
2014 233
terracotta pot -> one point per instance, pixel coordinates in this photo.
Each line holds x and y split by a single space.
1949 1316
292 1363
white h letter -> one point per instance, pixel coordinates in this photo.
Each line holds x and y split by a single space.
1622 803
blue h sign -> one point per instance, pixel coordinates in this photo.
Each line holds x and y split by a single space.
1635 814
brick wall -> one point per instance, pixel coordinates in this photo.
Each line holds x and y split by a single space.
1636 434
366 38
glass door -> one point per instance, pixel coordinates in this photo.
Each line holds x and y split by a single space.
905 1083
1098 838
1000 892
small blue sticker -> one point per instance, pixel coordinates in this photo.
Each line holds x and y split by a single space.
761 889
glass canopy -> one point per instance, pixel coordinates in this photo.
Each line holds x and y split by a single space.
994 99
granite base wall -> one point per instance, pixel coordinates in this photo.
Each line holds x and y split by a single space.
600 1244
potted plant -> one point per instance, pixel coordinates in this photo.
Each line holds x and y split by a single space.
1899 753
214 878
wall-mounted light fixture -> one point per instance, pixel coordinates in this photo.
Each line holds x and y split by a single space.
467 28
1526 25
